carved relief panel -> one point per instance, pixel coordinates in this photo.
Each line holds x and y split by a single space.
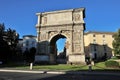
67 44
51 33
77 48
43 37
67 33
76 17
77 37
44 19
77 41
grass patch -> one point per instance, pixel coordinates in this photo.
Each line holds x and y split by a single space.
65 67
60 67
114 58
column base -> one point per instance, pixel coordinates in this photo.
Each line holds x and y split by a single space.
76 59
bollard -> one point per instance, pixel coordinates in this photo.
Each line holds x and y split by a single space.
31 65
90 67
92 63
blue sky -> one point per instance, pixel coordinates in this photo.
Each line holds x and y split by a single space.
101 15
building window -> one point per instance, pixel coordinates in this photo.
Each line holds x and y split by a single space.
105 48
112 36
103 36
93 35
105 55
33 43
104 42
24 44
27 43
94 46
21 45
94 41
95 56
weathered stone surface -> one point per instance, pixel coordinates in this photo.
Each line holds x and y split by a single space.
76 59
54 25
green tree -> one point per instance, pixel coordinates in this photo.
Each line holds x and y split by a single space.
2 29
29 55
4 48
32 54
12 38
116 43
8 42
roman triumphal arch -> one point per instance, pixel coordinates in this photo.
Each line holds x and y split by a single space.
54 25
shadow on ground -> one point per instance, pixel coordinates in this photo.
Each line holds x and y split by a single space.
86 75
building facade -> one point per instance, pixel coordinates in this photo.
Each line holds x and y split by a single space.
98 45
27 42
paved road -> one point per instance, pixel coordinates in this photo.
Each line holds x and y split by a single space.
39 76
23 76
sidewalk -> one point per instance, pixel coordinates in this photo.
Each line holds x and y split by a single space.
32 71
63 72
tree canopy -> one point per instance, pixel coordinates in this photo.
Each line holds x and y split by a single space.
30 54
8 42
116 43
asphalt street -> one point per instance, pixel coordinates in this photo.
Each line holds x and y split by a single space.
39 76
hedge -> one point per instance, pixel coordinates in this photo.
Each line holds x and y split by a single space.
112 64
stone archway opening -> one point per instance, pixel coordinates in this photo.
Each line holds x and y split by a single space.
58 56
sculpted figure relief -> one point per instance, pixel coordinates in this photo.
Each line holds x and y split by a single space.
52 33
76 48
45 20
67 44
76 17
66 33
43 36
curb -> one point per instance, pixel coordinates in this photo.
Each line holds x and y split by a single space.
31 71
6 70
